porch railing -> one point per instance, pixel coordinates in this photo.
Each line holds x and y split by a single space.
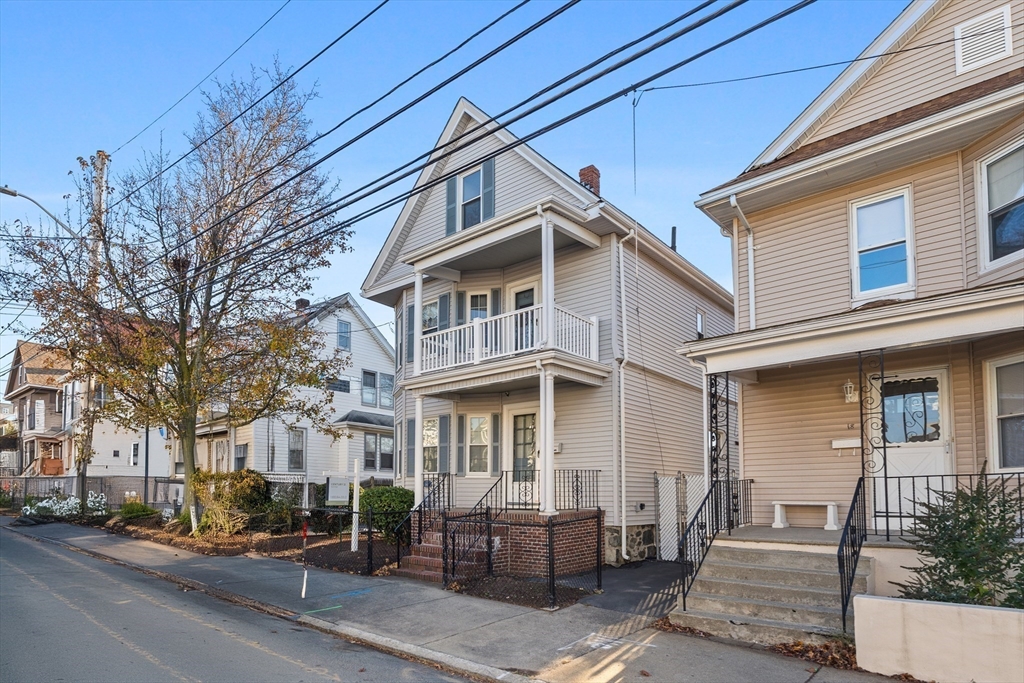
506 335
725 507
896 501
850 543
437 499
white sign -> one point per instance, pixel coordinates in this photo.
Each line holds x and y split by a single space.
337 487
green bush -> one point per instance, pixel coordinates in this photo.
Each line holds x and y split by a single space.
968 542
248 491
185 520
134 510
390 505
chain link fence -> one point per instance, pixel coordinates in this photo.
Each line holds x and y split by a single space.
162 493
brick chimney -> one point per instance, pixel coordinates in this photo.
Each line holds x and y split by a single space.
301 304
590 178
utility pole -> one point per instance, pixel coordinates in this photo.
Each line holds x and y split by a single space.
96 230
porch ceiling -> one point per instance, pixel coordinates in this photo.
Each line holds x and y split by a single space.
510 375
961 316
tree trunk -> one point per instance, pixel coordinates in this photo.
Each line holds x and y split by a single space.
187 432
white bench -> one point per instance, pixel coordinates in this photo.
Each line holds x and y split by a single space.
832 518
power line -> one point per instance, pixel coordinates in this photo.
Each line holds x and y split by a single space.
479 135
490 155
257 101
193 89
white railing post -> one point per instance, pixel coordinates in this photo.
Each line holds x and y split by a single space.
595 351
478 340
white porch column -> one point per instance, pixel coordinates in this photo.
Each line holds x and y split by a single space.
417 329
547 411
418 455
547 284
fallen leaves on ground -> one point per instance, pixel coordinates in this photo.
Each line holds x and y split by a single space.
837 654
665 624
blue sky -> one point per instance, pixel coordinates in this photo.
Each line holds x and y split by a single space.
80 76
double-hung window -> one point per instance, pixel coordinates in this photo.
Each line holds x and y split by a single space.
135 455
430 317
700 324
241 456
471 199
882 246
1005 408
387 452
296 449
477 306
369 452
431 440
369 388
344 335
342 386
387 391
1001 206
479 444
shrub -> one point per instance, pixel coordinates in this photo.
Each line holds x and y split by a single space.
61 505
228 498
970 555
390 505
134 510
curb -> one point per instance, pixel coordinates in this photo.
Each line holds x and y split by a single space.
378 642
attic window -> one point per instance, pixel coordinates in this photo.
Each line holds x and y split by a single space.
983 40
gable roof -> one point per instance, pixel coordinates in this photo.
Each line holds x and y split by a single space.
895 36
320 310
44 366
465 114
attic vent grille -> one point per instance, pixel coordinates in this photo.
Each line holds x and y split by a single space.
983 40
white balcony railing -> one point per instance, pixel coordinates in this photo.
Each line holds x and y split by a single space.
507 335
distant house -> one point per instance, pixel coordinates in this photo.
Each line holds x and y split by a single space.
363 400
48 410
536 327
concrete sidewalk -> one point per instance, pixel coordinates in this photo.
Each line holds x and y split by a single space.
596 640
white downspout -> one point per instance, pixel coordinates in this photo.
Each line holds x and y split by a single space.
622 397
750 261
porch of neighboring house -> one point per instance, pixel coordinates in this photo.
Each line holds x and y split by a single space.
874 433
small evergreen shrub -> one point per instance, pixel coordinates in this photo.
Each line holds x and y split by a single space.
970 544
134 510
390 505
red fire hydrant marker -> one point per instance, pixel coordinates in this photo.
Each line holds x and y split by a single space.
305 572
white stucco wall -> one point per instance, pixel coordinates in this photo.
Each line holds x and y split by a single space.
936 641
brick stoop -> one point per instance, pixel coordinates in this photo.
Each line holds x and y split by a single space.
769 596
425 560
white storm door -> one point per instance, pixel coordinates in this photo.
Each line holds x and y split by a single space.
918 443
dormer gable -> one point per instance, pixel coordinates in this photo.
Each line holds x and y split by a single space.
519 177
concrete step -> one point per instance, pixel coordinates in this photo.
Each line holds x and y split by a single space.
757 590
812 578
419 575
794 613
751 629
774 558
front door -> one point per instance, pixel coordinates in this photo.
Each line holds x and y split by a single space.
524 489
917 443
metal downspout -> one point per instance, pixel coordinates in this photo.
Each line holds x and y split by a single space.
622 398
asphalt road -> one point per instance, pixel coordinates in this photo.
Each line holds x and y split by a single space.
65 616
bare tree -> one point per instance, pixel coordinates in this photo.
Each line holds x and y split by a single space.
178 322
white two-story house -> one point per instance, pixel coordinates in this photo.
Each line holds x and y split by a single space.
290 450
536 329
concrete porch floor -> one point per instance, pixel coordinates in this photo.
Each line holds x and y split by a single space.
805 536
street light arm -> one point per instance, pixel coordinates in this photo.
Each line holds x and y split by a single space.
14 193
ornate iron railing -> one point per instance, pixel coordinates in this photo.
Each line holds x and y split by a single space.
850 543
725 507
576 489
437 499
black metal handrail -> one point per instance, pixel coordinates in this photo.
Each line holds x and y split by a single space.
897 500
434 504
725 507
458 540
854 534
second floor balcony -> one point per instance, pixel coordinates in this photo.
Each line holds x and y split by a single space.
509 334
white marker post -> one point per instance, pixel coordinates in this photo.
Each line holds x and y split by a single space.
355 507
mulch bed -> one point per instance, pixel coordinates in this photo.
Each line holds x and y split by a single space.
516 591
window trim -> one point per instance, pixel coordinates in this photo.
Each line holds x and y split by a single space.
985 263
380 391
436 419
376 451
991 410
362 389
427 302
460 200
900 291
380 453
305 446
346 323
486 417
